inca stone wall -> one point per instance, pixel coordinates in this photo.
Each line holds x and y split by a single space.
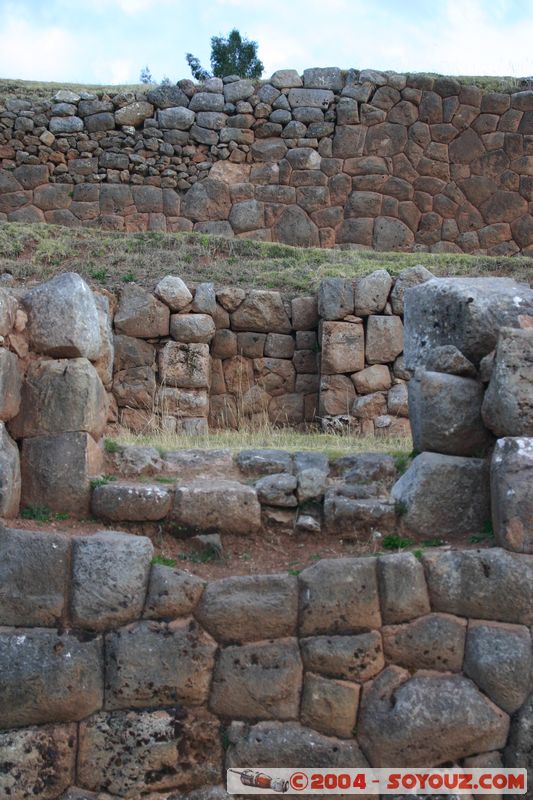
355 159
134 679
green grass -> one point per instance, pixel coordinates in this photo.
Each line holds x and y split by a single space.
395 542
164 561
38 513
111 259
102 480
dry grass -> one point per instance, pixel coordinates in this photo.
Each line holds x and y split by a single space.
272 438
109 259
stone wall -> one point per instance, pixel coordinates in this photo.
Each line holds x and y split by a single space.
353 159
330 668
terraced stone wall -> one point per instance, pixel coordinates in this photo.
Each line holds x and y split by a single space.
360 159
125 678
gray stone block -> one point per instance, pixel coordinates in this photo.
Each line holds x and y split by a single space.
511 481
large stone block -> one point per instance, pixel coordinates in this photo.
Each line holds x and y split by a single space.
353 658
109 579
498 657
8 309
402 587
56 471
356 517
34 572
330 706
135 387
343 348
371 292
48 677
427 720
508 403
61 396
128 753
511 483
10 383
485 584
186 366
215 506
171 593
384 339
10 481
263 312
407 278
250 607
339 596
174 292
445 414
434 642
63 318
448 494
190 328
37 762
179 668
258 681
130 502
335 298
518 752
140 314
207 200
465 312
287 743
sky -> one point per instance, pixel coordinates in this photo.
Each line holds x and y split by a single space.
110 41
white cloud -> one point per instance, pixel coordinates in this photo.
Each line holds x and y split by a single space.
33 53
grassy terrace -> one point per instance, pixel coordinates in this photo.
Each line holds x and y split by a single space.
109 259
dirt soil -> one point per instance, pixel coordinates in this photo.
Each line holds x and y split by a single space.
258 554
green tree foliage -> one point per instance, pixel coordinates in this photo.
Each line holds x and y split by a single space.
146 75
230 55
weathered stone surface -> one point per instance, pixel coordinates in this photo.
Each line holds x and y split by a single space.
171 593
384 339
518 752
304 313
167 96
511 481
63 318
217 506
353 658
434 642
59 396
10 383
508 403
135 387
445 414
254 463
279 345
109 578
134 113
8 311
337 395
342 347
248 608
37 762
426 720
258 681
499 659
128 753
47 676
179 668
391 234
207 200
10 479
465 312
356 517
445 493
332 599
263 312
186 366
375 472
56 470
289 743
139 314
174 292
130 502
205 300
370 406
402 588
192 328
450 360
131 352
398 400
277 490
335 298
33 577
295 228
329 706
371 292
485 584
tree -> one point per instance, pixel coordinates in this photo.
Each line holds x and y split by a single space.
146 75
231 55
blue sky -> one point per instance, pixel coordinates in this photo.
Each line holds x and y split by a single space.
109 41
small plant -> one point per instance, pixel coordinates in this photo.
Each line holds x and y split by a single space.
110 446
207 555
164 561
39 513
103 480
395 542
400 508
293 571
165 479
486 534
129 277
401 462
61 515
418 554
100 275
245 557
437 542
315 557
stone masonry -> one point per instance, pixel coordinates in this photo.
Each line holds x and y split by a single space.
333 158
